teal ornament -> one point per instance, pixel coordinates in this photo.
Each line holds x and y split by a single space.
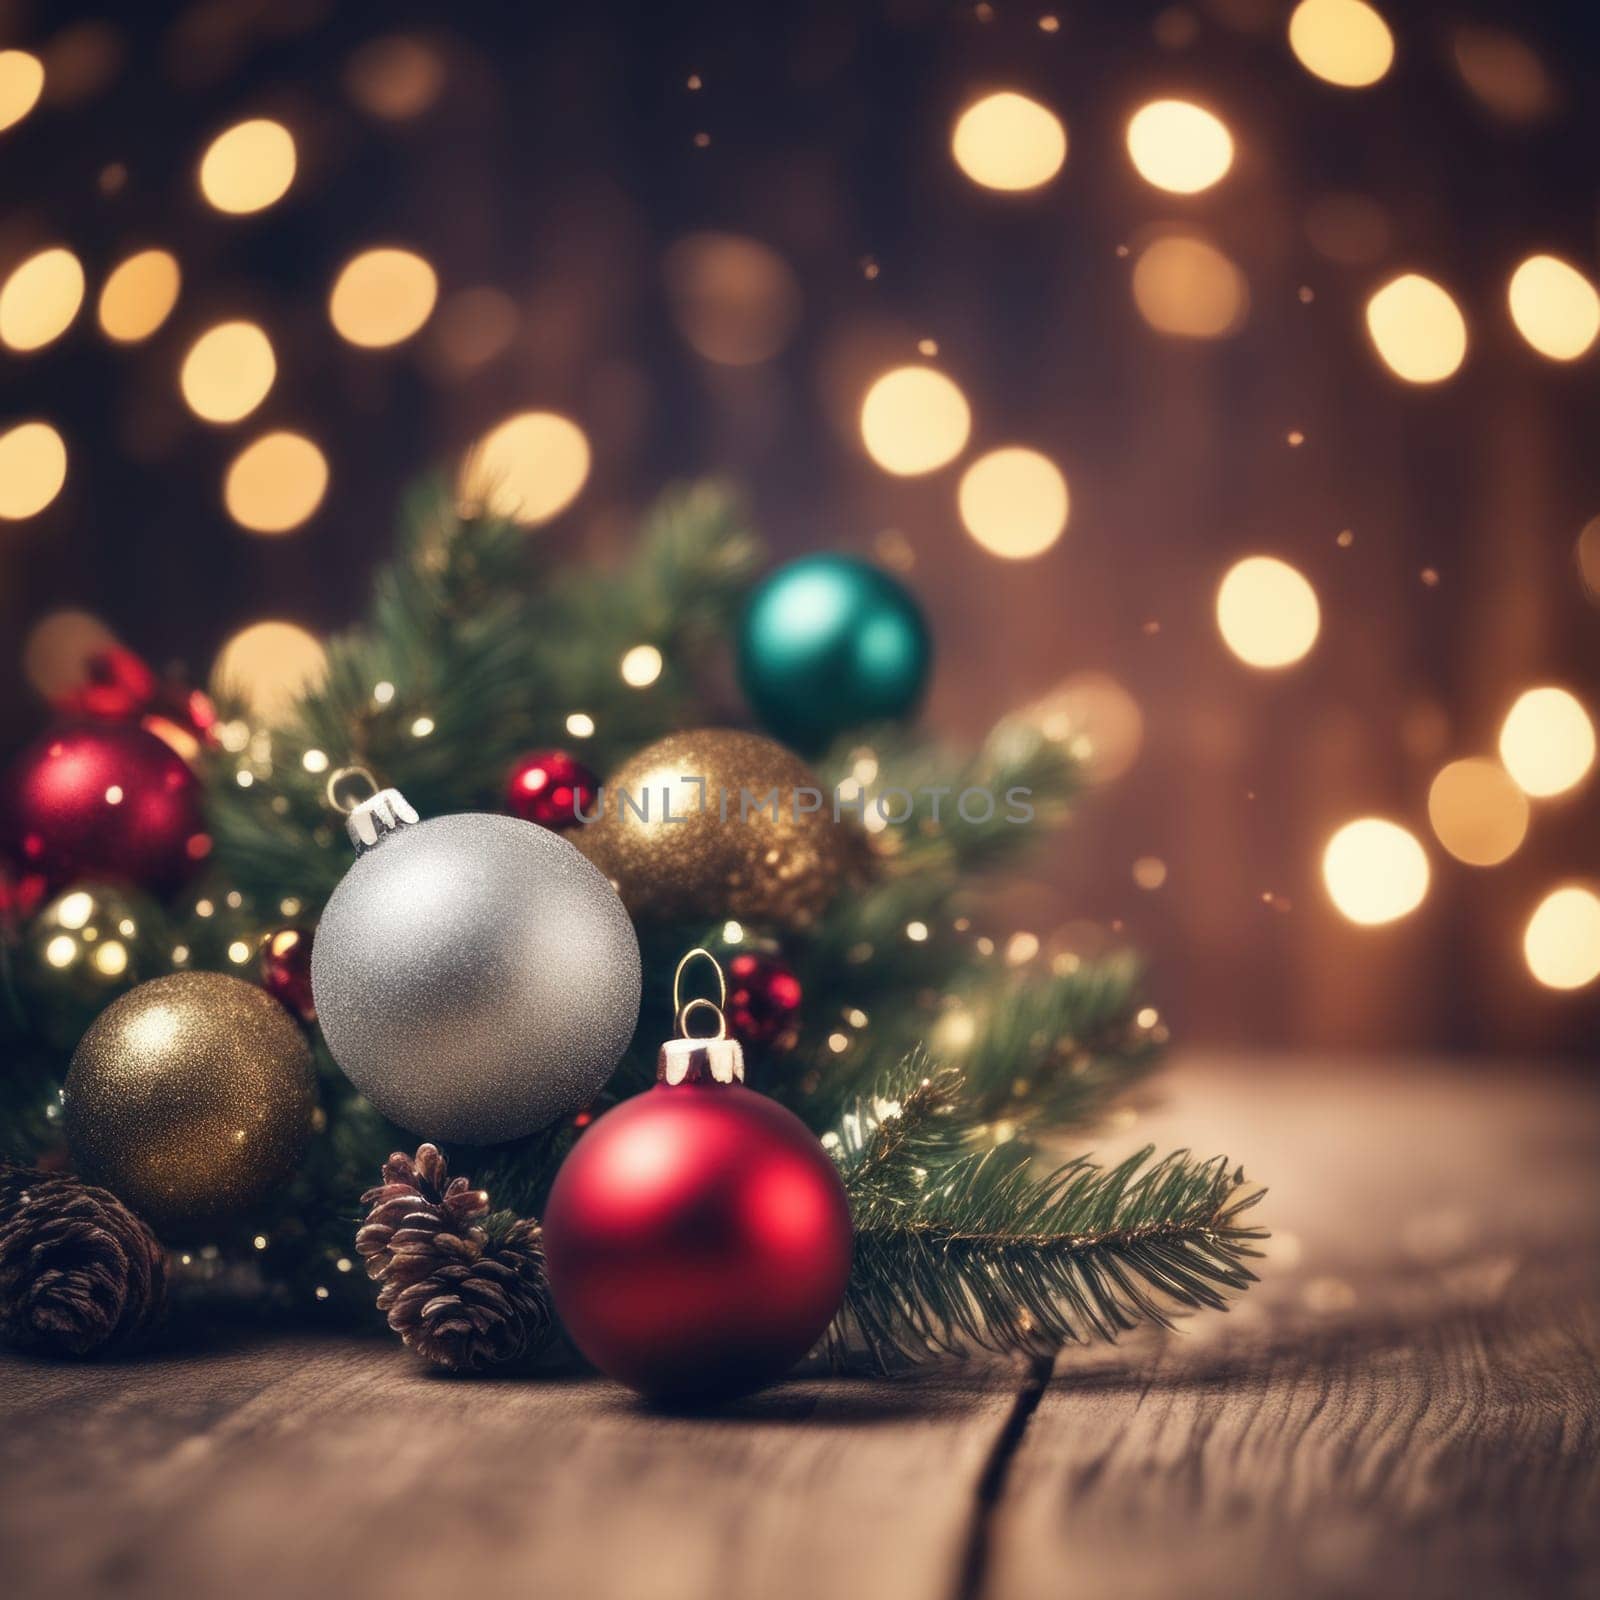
829 643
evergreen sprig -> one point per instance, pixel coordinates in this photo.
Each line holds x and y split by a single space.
958 1249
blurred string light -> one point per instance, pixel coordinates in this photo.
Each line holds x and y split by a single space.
21 83
1097 720
139 296
394 78
268 666
275 483
58 649
1343 42
1504 74
1179 146
472 328
914 420
1554 307
530 468
1587 553
1375 871
734 299
1007 141
382 297
1562 940
33 467
1014 502
1187 288
1267 612
1417 329
40 299
248 167
641 666
228 371
1547 741
1478 814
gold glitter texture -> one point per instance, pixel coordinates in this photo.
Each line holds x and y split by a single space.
192 1096
713 861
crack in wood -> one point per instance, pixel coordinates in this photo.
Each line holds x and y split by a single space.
991 1484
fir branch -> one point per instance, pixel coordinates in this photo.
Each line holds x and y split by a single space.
979 1252
1052 1049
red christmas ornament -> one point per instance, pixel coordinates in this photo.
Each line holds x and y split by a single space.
286 971
549 787
106 802
117 686
763 1002
697 1238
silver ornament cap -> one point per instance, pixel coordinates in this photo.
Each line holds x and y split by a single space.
474 976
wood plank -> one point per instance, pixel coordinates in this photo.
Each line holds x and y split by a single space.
304 1465
1408 1401
1408 1404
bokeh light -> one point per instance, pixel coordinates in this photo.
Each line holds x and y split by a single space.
914 420
1189 289
1179 146
1547 741
641 666
1007 141
40 299
734 299
1375 871
275 483
1554 307
59 648
33 467
381 297
529 468
1417 329
1344 42
472 328
1478 814
139 296
1098 721
268 666
1014 502
21 83
249 167
228 371
1267 612
1503 73
1587 553
1562 940
395 77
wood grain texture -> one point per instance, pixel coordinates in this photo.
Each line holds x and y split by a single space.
1407 1404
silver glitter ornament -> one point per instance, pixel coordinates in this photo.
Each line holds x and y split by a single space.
473 975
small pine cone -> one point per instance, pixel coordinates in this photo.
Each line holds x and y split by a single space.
79 1272
462 1288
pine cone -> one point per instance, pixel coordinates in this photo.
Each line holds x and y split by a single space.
79 1272
462 1288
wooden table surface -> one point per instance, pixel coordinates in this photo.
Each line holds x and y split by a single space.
1407 1404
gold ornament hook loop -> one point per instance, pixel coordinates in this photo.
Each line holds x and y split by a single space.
343 788
681 1011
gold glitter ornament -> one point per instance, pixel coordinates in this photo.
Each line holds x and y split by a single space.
733 825
190 1097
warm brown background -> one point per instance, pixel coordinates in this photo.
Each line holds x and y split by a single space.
559 164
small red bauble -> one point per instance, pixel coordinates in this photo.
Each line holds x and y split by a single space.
117 686
698 1237
549 787
286 971
106 801
763 1002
